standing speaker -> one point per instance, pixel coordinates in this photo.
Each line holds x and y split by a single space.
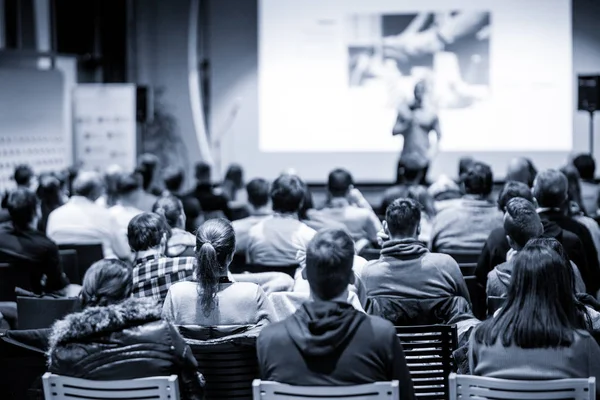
144 104
588 93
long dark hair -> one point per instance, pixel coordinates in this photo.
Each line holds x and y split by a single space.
215 243
50 194
106 282
540 309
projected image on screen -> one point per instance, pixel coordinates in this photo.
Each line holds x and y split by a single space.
448 50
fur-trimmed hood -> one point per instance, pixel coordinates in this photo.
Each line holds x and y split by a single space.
98 320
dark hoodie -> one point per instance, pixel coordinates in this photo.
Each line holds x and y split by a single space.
332 344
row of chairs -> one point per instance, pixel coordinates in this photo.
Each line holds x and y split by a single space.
461 387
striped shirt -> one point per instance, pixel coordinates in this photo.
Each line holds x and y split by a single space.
154 275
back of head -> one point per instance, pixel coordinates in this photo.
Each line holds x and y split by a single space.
171 209
521 221
49 190
88 184
129 183
23 175
403 217
235 175
540 309
287 194
307 203
573 185
215 245
258 192
329 260
511 190
146 231
22 205
203 171
147 165
478 180
106 282
550 243
421 195
173 178
339 182
550 188
519 171
586 166
464 164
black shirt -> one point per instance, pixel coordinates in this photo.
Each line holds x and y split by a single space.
28 248
210 200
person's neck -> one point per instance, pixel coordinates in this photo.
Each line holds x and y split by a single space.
341 298
261 210
404 237
153 252
287 214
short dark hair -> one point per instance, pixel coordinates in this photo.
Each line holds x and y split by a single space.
258 192
403 216
478 179
170 208
329 260
550 188
145 231
203 170
173 178
128 182
22 206
464 164
23 174
147 165
521 222
586 166
339 182
511 190
287 194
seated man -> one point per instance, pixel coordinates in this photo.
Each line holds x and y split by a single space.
129 189
586 166
153 273
327 342
280 238
173 178
82 221
521 223
24 178
258 197
212 201
550 189
22 245
466 225
347 205
496 246
407 272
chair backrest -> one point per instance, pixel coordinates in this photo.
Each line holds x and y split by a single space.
87 254
41 313
467 269
286 269
13 276
467 386
494 303
70 265
58 387
228 369
428 350
464 257
264 390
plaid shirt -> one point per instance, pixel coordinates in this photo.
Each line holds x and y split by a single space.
153 275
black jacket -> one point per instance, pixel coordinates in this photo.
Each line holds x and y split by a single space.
128 340
332 344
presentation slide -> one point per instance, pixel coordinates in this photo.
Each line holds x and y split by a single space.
335 74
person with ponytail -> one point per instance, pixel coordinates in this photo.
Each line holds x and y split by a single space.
213 299
181 243
117 337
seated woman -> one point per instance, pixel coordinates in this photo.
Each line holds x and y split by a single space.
539 333
181 243
213 299
117 337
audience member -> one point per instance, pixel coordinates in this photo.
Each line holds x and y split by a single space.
116 337
445 192
153 273
327 342
173 179
521 169
111 180
138 196
315 220
233 184
348 206
180 243
496 246
51 197
521 224
212 299
260 208
586 166
24 177
128 190
539 333
148 169
82 221
213 203
467 224
277 239
550 189
407 272
22 245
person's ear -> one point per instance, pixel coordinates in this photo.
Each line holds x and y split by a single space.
385 227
